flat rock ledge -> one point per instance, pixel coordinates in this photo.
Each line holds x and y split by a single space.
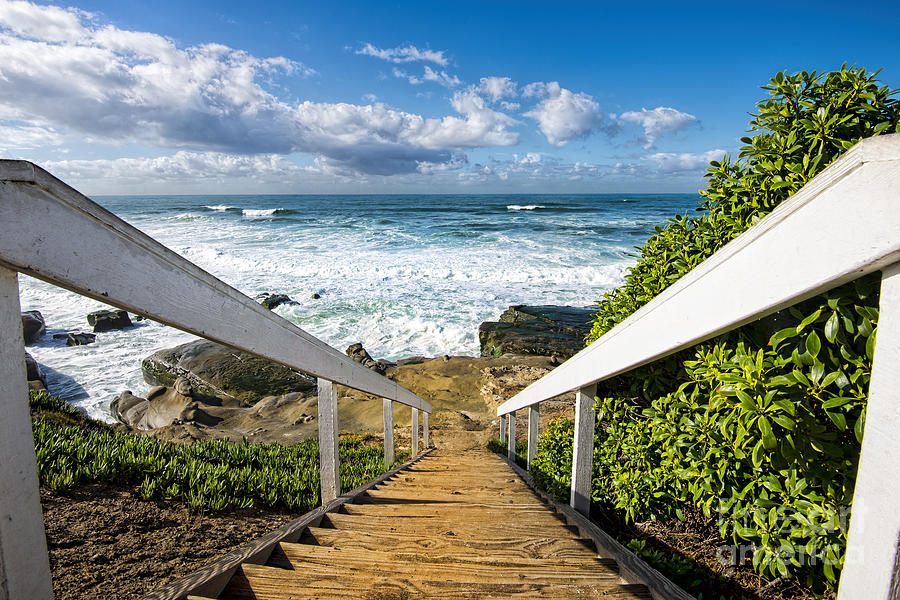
546 330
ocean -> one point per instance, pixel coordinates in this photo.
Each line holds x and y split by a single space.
405 275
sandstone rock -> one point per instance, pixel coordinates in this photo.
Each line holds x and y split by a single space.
217 370
359 354
34 375
108 320
80 339
33 326
557 331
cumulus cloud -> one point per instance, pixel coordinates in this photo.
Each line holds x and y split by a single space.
658 122
670 162
562 115
404 54
129 86
27 137
497 87
440 77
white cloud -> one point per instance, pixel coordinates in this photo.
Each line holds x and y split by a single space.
404 54
137 87
562 115
401 74
497 87
658 122
685 161
27 137
370 98
441 78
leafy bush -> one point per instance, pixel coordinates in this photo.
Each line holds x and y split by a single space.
208 475
760 427
495 445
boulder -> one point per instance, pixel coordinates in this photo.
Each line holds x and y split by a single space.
360 355
33 326
170 405
216 370
35 377
273 300
79 339
108 320
557 331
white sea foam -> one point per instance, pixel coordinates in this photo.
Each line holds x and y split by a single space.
262 212
221 207
524 207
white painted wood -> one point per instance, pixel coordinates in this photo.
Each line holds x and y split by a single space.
414 444
329 459
388 412
104 258
502 429
425 440
534 415
583 450
875 520
843 224
24 566
511 439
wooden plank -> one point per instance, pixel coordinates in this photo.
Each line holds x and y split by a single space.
24 566
106 259
511 441
875 521
843 224
583 450
631 568
534 416
414 443
431 526
211 579
329 459
388 412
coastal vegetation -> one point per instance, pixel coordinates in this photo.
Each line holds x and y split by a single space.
759 430
208 475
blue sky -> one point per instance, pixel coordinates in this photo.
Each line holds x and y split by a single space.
136 97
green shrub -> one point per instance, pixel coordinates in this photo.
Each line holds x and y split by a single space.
760 427
208 475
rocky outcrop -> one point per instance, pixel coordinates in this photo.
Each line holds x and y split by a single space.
216 370
556 331
33 326
79 339
36 378
360 355
270 301
108 320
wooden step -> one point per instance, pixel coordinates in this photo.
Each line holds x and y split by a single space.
432 526
253 582
513 513
443 546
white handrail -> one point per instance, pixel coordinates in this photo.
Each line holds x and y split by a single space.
52 232
814 241
843 224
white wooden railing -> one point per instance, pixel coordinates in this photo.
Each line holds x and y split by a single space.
52 232
843 224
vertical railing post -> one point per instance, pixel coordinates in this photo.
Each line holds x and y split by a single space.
870 564
583 449
414 444
502 429
388 412
329 461
24 565
534 414
425 441
511 440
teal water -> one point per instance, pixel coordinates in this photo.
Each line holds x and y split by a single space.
404 275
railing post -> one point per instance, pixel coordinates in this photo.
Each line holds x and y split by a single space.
534 413
24 564
870 563
502 429
388 412
425 430
583 449
329 461
511 440
414 444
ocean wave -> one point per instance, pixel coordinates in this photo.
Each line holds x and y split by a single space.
221 207
524 207
263 212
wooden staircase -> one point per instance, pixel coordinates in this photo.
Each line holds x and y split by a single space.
456 527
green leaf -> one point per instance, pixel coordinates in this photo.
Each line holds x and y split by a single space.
832 327
860 426
813 344
870 346
768 437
